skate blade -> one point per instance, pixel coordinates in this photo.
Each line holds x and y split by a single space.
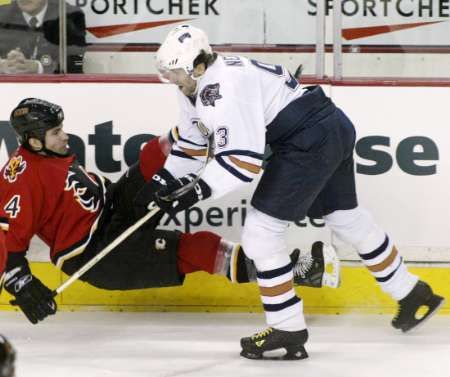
293 353
331 279
430 313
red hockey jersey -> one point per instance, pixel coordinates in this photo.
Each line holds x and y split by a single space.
53 198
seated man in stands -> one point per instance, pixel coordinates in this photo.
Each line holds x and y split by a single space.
45 192
29 37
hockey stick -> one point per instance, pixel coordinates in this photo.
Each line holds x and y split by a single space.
153 209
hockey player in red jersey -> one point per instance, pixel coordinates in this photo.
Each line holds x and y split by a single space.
45 192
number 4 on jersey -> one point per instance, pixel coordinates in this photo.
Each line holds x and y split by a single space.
12 208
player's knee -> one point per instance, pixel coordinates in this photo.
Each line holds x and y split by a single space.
356 227
263 235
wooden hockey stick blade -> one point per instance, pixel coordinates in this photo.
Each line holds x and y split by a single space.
153 209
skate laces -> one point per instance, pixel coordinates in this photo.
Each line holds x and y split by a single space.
407 304
303 264
399 313
262 334
403 307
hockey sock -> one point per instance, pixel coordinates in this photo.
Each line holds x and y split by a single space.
358 228
387 267
151 158
283 309
197 252
206 251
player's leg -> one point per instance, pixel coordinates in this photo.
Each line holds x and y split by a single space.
140 260
146 259
356 226
377 251
207 251
379 254
121 194
263 241
294 176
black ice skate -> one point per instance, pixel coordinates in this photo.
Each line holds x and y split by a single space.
310 268
272 340
421 295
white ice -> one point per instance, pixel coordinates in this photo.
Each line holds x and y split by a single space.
105 344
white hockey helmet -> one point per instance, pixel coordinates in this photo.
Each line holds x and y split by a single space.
180 48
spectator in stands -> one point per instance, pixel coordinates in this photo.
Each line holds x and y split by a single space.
29 37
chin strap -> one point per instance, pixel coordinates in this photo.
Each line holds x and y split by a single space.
46 151
55 154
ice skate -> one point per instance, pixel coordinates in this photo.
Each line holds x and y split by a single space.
421 295
310 268
267 343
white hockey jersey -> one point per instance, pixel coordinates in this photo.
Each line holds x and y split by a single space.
235 101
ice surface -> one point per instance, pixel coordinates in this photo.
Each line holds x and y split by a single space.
105 344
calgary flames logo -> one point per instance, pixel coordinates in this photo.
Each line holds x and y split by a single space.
15 167
88 200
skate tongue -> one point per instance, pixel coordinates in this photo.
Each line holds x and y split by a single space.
332 267
294 256
263 333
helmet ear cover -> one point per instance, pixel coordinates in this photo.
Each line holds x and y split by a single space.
33 117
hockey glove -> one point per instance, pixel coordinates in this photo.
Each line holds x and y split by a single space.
146 194
33 297
200 191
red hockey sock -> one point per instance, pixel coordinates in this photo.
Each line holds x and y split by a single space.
197 252
151 158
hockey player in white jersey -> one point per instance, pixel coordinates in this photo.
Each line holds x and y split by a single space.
243 105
